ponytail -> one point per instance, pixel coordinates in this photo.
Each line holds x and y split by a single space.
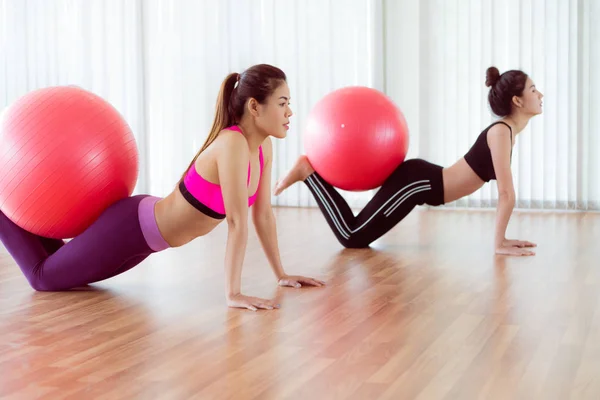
257 82
224 115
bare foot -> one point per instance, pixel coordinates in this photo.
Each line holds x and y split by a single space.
299 172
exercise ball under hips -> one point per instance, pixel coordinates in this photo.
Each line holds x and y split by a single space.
65 156
355 138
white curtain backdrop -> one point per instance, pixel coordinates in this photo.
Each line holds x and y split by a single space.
161 62
95 44
190 46
435 70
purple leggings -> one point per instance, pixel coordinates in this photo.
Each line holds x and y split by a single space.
122 237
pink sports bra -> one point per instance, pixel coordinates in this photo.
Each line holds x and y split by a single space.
206 196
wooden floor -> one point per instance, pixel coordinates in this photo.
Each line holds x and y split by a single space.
428 313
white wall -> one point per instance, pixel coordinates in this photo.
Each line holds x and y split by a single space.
160 62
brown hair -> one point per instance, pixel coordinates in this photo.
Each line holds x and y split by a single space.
257 82
503 88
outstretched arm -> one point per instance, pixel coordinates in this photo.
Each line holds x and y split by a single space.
500 143
232 164
265 225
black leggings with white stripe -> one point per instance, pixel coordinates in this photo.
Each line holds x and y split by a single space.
414 182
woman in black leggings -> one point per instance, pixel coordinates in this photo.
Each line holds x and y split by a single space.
514 98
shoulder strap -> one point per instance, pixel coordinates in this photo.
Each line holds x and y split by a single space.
234 128
511 134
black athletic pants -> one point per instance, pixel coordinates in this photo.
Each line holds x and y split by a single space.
414 182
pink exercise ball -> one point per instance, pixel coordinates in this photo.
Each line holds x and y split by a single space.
355 138
65 156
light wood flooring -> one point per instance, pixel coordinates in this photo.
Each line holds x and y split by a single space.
428 313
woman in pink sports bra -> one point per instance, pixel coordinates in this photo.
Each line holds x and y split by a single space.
230 173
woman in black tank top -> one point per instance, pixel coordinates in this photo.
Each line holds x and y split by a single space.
513 97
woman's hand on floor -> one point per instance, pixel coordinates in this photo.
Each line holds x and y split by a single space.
297 281
251 303
517 243
514 251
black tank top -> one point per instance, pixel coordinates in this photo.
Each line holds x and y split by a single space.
479 157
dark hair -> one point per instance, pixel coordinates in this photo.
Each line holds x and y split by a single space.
257 82
503 88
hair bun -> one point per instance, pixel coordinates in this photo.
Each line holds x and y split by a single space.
492 76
